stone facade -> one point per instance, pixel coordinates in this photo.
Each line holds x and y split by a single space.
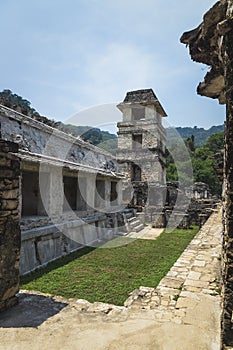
141 147
9 224
201 190
43 241
68 189
41 141
196 206
67 193
211 43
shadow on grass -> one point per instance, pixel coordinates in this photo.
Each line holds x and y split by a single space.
54 265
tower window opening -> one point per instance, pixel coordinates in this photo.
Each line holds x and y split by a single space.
137 141
136 174
138 113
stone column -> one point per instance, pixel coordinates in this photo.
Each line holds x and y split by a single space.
90 191
44 191
10 238
81 193
107 193
119 193
56 191
227 324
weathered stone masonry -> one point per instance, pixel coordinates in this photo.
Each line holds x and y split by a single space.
64 192
67 188
9 224
212 43
141 149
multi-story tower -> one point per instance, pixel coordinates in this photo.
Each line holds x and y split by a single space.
141 148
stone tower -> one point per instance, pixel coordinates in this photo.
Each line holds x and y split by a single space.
141 148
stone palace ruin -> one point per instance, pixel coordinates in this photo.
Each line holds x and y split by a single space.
59 193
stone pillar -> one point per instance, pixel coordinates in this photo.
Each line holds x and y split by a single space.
81 193
9 224
107 193
119 193
44 191
127 115
150 112
90 191
56 191
227 316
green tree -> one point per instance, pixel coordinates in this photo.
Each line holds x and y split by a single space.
190 143
216 142
202 162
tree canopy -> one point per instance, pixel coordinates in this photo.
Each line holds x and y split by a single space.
202 162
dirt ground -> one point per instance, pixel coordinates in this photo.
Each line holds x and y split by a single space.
41 322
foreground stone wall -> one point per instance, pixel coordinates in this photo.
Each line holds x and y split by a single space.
9 224
227 317
211 43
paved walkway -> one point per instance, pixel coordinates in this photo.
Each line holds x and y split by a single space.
196 272
182 313
147 232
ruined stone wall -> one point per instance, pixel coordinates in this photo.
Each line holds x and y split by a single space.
124 139
227 317
212 43
44 241
38 138
9 224
151 168
153 135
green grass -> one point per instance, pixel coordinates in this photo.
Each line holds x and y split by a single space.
110 274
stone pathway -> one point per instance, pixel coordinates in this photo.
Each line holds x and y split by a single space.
196 272
147 232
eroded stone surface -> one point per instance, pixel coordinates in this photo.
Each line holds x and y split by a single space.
211 43
9 225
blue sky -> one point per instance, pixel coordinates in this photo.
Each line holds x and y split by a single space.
66 56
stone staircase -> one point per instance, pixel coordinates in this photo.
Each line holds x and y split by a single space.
135 224
132 223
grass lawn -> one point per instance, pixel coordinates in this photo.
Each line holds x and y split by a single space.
110 274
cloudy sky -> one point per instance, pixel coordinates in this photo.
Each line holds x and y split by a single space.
66 56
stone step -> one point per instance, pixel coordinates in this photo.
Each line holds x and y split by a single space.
132 219
138 228
129 215
134 223
120 233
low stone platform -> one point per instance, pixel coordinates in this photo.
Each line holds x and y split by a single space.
147 232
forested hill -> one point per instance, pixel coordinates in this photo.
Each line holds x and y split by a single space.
200 134
95 135
87 133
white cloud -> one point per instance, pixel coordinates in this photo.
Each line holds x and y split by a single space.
85 53
117 68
